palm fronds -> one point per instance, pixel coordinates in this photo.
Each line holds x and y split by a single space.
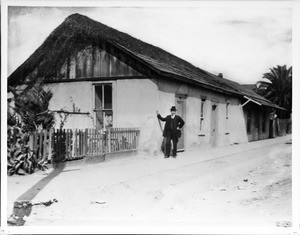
33 105
277 86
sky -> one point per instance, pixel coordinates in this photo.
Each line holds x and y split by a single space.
240 42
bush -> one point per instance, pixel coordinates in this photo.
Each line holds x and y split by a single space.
30 113
32 105
19 155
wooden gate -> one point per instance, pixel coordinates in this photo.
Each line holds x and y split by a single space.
75 144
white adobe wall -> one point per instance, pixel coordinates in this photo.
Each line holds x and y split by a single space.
234 131
194 138
236 128
77 94
135 102
237 125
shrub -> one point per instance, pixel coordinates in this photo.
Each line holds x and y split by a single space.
33 107
19 155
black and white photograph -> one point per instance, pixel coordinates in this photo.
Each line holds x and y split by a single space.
148 116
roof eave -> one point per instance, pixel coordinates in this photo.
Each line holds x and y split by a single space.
260 103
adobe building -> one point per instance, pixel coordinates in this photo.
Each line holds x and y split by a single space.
101 77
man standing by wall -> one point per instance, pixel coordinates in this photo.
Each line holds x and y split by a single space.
171 130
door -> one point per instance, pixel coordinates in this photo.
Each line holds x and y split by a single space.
213 125
180 105
258 125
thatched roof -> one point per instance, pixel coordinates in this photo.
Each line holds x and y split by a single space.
78 31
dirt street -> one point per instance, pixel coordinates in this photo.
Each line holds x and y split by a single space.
248 188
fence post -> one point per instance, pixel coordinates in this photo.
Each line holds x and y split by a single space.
97 142
108 140
84 143
138 138
74 144
92 142
88 139
70 144
50 145
81 142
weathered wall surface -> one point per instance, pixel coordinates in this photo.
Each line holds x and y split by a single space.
72 97
258 118
285 126
93 61
229 131
135 102
135 105
264 132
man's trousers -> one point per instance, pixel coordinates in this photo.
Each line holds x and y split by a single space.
171 136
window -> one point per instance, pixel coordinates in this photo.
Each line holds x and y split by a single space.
202 114
226 118
227 106
103 105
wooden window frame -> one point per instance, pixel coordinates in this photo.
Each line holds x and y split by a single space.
227 110
227 104
202 107
102 84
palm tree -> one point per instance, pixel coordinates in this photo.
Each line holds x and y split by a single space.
33 107
277 87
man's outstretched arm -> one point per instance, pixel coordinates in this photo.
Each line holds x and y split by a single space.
160 117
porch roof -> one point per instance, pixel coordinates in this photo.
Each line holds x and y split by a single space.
261 102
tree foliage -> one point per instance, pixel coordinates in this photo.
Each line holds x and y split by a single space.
31 113
277 86
33 108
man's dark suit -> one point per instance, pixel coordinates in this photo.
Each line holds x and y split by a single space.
170 132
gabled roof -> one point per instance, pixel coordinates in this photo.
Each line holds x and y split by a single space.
77 31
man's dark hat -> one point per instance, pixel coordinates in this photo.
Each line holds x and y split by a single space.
173 108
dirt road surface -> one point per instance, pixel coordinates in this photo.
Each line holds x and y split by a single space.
247 187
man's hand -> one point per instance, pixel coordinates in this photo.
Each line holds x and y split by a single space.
157 113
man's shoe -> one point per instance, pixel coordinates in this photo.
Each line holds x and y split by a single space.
167 156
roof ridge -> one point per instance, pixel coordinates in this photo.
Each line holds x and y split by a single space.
77 30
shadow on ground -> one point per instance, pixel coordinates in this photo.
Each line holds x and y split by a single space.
23 205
